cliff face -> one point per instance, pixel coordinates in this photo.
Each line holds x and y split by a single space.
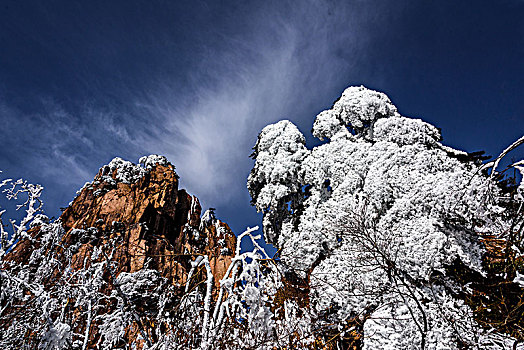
155 221
132 219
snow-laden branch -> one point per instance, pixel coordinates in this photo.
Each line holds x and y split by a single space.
32 205
244 294
497 160
207 300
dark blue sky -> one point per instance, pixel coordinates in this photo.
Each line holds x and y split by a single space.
196 81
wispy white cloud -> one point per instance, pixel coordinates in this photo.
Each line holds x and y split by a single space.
56 145
279 68
288 61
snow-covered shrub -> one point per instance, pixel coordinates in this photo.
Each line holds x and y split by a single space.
124 170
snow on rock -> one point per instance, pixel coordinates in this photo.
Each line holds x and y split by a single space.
39 220
153 160
123 170
119 170
207 219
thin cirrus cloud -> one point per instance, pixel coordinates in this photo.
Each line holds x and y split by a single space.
273 73
278 62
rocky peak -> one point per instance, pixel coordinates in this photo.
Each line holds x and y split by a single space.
135 219
154 218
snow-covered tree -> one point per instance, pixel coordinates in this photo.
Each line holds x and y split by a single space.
374 217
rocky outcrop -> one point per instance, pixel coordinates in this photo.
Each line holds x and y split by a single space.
135 220
157 222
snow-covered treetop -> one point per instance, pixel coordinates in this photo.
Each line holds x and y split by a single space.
357 109
388 169
280 149
405 131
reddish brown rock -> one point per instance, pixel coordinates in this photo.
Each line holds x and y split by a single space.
155 220
155 225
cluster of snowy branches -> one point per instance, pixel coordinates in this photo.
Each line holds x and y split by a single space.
48 304
27 197
375 216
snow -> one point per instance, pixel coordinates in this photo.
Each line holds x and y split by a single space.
511 147
519 279
138 283
124 171
389 212
406 131
27 200
39 220
280 150
520 167
449 323
57 337
207 219
153 160
358 109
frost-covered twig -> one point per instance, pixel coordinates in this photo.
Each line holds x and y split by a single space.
243 296
497 160
32 205
126 301
207 300
88 324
